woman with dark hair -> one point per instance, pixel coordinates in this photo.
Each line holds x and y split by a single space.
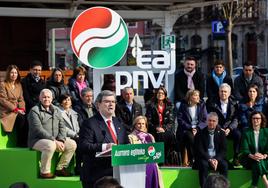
253 102
160 114
254 148
56 85
140 135
78 82
12 105
191 116
70 118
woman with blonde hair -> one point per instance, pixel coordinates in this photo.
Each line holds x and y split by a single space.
191 116
140 135
12 105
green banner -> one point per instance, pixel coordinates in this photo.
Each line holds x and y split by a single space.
138 154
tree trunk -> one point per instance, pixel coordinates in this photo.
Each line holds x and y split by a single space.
229 63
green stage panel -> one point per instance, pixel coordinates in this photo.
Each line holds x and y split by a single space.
186 177
7 140
21 165
17 165
180 177
58 182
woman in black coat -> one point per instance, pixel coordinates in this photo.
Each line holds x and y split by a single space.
160 114
56 85
192 116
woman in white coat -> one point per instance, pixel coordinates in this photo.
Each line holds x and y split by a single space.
72 125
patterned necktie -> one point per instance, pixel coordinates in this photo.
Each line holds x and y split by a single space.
111 131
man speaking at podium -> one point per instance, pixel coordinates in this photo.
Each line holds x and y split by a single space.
98 134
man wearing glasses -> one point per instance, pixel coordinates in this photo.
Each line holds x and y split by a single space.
247 78
32 84
98 134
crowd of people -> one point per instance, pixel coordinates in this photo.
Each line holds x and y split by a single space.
49 116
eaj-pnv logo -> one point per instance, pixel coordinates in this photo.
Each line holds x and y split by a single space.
99 37
151 151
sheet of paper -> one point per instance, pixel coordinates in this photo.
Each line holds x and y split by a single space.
106 153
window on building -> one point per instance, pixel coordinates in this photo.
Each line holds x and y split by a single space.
132 24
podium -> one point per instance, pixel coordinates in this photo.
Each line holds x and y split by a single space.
129 162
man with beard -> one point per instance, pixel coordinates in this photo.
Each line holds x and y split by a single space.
188 78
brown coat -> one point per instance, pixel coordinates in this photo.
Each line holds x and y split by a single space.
10 99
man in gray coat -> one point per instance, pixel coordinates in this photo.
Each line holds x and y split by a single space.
47 133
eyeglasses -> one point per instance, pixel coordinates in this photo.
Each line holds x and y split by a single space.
257 118
38 70
107 101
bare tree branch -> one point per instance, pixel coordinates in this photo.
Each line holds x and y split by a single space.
231 9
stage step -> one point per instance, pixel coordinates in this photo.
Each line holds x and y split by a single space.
22 165
186 177
7 140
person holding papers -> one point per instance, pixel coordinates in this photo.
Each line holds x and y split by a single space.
98 134
139 135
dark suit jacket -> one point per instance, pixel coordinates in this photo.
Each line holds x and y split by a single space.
93 133
241 85
126 116
31 90
202 142
213 89
184 117
181 88
82 113
231 120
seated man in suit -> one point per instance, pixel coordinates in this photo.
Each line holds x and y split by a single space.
227 110
128 109
97 134
47 133
210 148
86 108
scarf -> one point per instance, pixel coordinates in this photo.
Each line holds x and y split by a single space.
81 86
190 83
211 132
143 136
36 78
160 110
218 79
